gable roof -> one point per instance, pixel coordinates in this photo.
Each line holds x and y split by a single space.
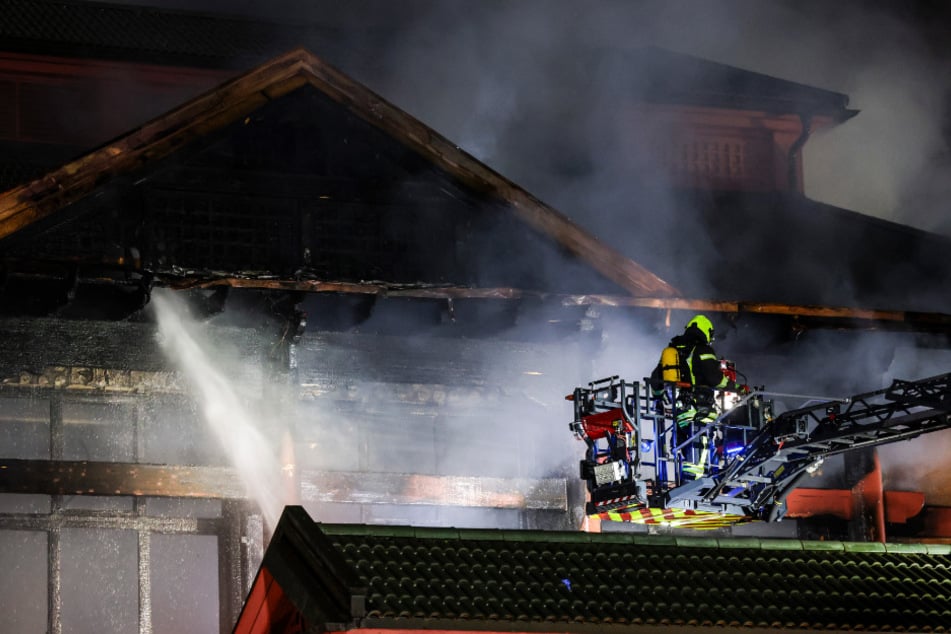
41 199
406 578
670 77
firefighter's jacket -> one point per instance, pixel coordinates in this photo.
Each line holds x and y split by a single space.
699 364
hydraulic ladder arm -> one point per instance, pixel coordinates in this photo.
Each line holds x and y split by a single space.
756 481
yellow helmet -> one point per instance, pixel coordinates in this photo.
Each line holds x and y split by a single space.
704 324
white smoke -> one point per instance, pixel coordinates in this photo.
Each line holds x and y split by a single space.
478 72
495 77
488 80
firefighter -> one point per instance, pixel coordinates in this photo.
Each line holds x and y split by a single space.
691 365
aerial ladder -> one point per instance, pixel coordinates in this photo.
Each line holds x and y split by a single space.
740 467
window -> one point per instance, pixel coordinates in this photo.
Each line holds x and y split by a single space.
24 428
98 431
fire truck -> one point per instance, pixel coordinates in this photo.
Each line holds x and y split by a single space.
739 467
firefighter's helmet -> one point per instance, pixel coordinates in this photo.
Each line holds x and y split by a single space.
704 325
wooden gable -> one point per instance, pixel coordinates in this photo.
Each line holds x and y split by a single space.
293 171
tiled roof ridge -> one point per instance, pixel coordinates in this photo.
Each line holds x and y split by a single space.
638 539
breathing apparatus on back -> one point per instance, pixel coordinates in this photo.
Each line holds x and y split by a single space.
670 364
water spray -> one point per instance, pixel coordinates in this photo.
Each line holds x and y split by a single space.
247 449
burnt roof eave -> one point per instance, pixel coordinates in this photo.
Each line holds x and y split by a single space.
852 317
900 319
777 106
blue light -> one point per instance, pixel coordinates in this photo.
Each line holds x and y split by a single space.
734 449
647 445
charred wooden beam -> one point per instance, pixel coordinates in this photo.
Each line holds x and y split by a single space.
842 316
109 520
836 315
110 478
102 478
422 291
810 317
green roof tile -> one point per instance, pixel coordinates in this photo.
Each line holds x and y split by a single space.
654 540
811 544
780 544
481 535
746 543
530 580
906 548
614 538
696 542
864 547
939 549
437 533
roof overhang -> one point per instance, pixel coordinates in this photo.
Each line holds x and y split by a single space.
840 316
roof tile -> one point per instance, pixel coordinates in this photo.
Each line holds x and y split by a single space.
822 545
864 547
592 580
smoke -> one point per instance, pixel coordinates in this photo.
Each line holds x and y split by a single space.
892 160
533 89
497 78
919 465
505 84
395 398
224 409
